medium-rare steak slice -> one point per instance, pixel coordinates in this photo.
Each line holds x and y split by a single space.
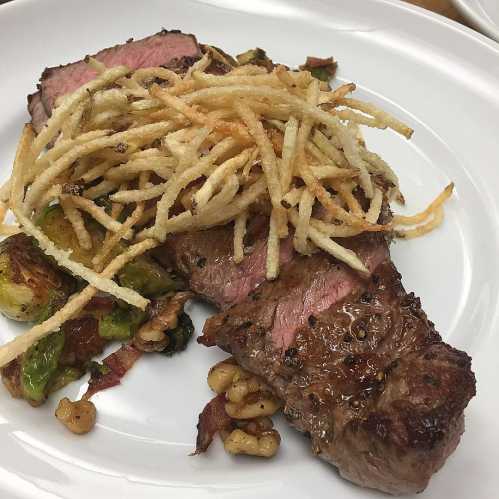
37 111
358 365
166 47
205 260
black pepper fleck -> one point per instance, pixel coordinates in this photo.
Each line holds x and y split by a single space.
366 297
312 321
430 380
349 360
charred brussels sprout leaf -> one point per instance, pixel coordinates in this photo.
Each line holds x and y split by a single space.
180 336
39 365
147 278
32 288
60 231
63 376
221 56
98 369
121 324
322 69
256 56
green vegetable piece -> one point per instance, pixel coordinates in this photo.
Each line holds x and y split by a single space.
59 230
255 56
180 336
147 277
98 369
322 69
32 287
63 376
39 365
321 74
121 324
219 55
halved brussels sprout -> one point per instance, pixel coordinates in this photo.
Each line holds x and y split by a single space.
32 288
147 277
121 324
60 231
143 274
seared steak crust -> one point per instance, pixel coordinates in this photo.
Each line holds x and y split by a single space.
369 379
162 49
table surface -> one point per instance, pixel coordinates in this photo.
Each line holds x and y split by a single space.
443 7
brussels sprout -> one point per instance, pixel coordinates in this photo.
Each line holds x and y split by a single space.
180 336
121 324
38 366
147 277
143 274
63 376
322 69
255 56
60 231
218 55
32 288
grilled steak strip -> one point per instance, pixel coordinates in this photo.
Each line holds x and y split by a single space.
164 48
366 375
38 114
205 260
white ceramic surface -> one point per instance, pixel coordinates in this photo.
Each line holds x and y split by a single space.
483 14
439 77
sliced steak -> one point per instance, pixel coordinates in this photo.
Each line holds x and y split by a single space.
205 260
165 47
38 114
358 365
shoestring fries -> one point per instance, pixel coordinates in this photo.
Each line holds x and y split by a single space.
174 153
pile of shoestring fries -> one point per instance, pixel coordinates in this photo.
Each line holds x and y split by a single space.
183 153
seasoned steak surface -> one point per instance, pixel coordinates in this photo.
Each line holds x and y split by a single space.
205 259
367 377
164 48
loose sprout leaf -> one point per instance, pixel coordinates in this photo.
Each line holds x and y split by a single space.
39 364
180 336
322 69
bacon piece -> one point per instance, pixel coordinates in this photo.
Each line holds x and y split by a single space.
116 366
213 419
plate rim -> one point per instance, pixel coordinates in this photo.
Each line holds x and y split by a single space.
478 21
450 26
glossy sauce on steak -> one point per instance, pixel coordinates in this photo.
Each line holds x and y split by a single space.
366 375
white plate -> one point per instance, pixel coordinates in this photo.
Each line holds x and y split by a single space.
483 14
443 80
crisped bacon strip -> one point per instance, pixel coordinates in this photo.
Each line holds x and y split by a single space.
212 420
118 364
